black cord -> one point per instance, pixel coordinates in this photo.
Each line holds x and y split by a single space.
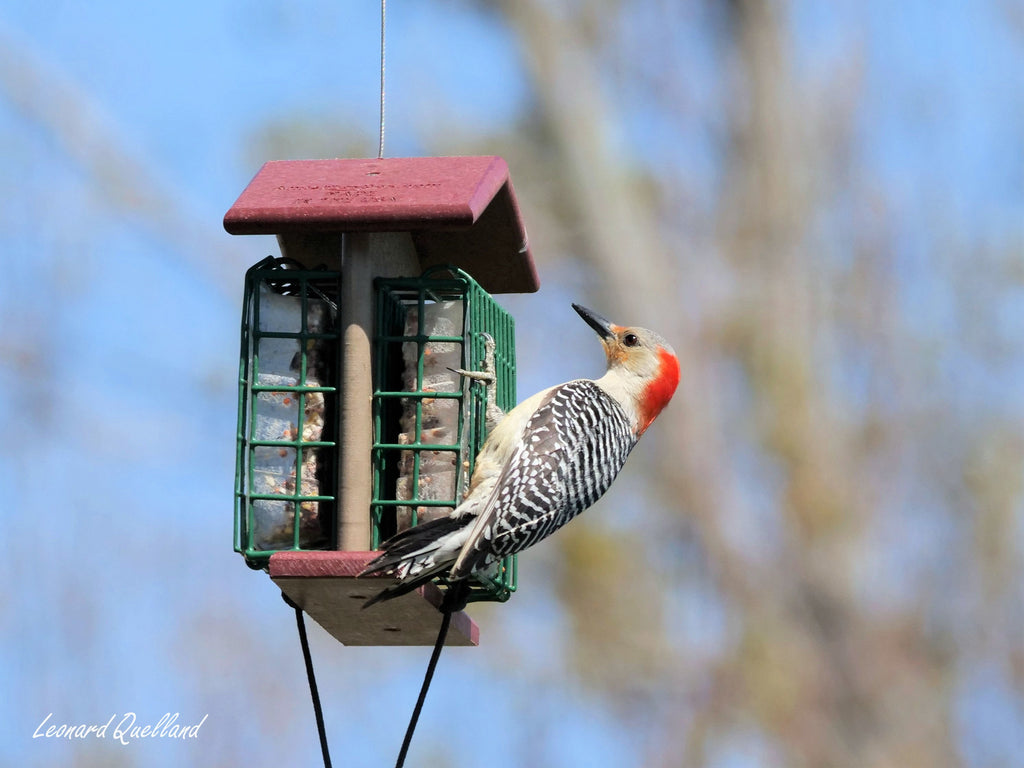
312 681
441 635
454 601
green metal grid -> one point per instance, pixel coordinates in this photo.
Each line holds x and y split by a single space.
301 406
396 299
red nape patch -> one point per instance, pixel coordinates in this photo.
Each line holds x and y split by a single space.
659 391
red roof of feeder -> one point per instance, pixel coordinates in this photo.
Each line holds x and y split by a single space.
460 210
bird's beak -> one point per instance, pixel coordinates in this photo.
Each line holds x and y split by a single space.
605 329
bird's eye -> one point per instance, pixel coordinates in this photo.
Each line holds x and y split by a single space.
630 340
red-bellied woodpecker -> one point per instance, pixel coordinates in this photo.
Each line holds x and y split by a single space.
547 460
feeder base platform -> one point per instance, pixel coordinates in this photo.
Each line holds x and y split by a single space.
325 586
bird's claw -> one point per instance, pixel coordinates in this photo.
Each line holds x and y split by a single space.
489 378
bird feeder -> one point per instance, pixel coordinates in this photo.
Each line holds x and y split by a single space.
352 421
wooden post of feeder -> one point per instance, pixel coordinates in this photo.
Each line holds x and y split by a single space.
379 218
364 256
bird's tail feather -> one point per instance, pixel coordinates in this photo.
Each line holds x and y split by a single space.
407 585
410 543
410 548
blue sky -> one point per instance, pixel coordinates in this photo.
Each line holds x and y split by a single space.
120 464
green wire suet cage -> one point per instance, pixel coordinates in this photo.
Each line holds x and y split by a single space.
429 421
287 411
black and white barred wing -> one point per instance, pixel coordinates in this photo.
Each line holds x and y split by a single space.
576 442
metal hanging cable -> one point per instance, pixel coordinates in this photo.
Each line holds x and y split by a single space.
313 692
383 20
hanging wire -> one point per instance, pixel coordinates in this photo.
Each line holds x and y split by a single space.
442 634
383 18
313 692
454 601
